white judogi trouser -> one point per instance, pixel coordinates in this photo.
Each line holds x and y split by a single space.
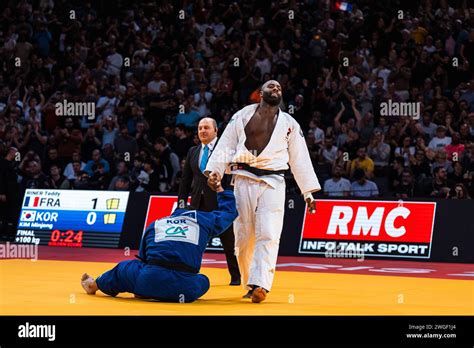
257 229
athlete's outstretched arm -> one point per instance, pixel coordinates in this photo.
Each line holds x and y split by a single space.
224 150
226 212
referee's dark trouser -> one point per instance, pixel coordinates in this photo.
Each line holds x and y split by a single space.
228 244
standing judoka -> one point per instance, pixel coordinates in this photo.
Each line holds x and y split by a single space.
170 256
258 143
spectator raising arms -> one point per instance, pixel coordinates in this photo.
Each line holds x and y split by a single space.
151 81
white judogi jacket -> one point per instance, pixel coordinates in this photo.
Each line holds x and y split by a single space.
287 145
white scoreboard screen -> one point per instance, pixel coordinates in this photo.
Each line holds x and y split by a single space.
72 218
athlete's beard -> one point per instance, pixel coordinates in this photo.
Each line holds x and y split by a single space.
271 100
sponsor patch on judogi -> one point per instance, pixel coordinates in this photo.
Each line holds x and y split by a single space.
179 229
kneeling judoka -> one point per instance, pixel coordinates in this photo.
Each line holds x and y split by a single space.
170 256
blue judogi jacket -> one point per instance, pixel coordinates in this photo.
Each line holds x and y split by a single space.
182 237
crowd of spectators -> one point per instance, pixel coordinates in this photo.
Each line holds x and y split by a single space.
153 69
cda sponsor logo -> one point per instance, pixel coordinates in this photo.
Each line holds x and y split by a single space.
75 109
369 228
37 331
162 206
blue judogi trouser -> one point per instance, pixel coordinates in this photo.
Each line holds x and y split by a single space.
153 282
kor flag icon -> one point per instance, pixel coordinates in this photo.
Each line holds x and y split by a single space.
27 215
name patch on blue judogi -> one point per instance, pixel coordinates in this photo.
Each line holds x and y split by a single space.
179 229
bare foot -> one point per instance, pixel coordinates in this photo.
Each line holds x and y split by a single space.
89 284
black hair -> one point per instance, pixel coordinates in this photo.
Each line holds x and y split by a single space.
359 173
181 127
161 141
150 162
123 178
400 160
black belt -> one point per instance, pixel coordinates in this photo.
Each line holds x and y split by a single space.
256 171
174 266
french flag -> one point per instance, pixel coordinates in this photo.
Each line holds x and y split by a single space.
343 6
34 201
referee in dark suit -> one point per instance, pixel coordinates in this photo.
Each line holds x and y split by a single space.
203 198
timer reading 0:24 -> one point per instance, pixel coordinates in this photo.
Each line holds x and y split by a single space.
68 238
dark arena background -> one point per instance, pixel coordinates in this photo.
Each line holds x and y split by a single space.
100 103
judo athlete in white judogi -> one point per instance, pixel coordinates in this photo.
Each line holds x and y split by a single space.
257 145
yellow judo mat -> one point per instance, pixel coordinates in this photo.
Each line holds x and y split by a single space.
53 288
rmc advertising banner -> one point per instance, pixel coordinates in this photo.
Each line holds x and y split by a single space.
369 228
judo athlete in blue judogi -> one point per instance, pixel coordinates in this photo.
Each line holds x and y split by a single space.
170 256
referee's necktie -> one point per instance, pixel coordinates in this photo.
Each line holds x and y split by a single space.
205 157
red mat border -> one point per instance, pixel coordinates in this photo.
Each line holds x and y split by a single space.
286 263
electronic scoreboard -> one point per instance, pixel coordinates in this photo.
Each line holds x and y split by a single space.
72 218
